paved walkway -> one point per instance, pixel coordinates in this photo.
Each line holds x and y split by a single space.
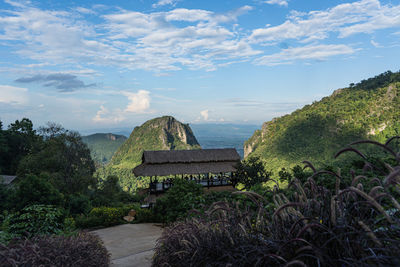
130 244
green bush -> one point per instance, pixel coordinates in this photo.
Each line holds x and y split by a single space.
109 216
79 204
105 216
80 250
35 220
87 221
182 197
145 216
37 190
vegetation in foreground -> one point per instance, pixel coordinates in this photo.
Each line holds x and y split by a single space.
55 196
83 249
356 224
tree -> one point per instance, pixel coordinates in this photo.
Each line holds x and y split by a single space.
64 157
37 190
18 140
251 172
284 175
299 173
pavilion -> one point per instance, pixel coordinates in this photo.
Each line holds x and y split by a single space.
199 164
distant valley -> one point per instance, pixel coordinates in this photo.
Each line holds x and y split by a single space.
215 135
103 145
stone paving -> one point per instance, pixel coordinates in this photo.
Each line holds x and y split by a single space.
130 244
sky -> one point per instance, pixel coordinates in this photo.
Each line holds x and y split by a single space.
107 64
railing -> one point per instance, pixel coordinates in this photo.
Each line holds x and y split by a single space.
159 187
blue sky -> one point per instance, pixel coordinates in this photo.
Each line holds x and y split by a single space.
108 64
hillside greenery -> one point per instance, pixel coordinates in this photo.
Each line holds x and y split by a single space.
369 109
355 222
163 133
103 145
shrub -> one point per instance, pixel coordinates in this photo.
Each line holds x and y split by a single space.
109 216
145 216
87 221
35 220
178 200
105 216
314 226
81 250
37 190
79 204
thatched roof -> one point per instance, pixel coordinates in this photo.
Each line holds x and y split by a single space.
169 162
7 179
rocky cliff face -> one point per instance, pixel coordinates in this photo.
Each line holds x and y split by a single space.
163 133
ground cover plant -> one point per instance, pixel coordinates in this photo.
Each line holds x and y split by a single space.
78 250
356 224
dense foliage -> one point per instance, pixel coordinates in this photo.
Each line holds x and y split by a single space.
251 172
310 225
369 109
15 143
35 220
81 250
37 190
179 199
63 156
54 167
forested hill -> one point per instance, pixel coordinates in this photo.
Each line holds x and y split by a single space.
369 109
103 145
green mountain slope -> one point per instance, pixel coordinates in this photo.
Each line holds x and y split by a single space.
164 133
369 109
103 145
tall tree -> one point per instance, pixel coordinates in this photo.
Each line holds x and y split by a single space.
15 143
64 157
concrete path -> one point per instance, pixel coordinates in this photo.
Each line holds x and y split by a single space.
130 244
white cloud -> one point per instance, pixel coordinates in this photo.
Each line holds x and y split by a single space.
139 102
159 42
164 2
126 39
204 114
13 95
277 2
105 116
84 10
376 44
309 52
363 16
